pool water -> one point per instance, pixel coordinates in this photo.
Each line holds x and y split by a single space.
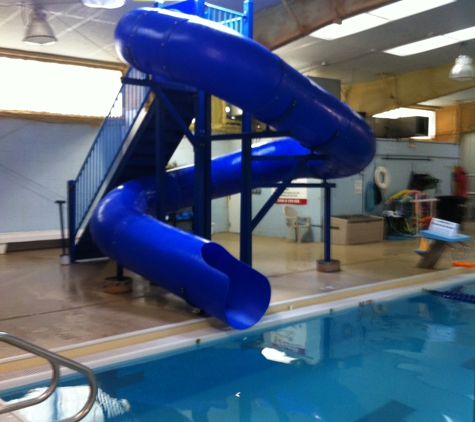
408 359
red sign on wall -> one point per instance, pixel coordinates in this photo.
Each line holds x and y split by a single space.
293 201
294 196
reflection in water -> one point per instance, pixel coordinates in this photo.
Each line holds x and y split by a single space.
412 356
65 402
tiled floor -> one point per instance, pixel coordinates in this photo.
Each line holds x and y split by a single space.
53 305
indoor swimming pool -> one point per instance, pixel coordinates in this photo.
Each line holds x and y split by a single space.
388 358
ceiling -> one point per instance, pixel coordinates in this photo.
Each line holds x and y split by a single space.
359 58
87 33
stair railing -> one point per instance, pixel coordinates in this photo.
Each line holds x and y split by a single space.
55 361
108 144
229 18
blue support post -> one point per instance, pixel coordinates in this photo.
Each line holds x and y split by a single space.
119 272
248 29
202 194
200 8
326 222
327 265
245 252
160 164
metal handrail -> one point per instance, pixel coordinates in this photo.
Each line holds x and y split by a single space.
229 18
108 144
55 361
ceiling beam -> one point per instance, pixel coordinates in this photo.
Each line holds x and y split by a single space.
290 20
393 91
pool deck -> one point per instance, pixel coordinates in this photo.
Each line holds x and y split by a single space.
64 308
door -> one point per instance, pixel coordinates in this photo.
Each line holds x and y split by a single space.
234 213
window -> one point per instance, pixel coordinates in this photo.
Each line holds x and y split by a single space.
44 87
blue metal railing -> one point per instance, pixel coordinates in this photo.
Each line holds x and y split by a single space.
239 21
107 145
226 17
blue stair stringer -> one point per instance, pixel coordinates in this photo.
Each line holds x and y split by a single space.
124 149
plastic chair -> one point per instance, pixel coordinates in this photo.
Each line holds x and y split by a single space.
295 222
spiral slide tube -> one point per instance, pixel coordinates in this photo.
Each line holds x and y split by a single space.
185 49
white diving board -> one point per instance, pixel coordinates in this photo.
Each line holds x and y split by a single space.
441 234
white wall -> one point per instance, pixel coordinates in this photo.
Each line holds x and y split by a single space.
36 161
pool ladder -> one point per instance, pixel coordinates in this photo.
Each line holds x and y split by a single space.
55 361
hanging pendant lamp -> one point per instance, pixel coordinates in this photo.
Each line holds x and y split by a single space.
38 31
463 69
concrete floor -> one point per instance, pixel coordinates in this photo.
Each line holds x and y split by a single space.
54 305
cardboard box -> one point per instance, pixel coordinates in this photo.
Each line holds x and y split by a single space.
356 229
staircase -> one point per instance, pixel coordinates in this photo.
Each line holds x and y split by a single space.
125 149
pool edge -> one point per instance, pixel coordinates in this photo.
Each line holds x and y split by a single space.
186 333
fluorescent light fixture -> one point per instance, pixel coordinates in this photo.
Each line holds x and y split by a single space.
421 46
463 34
433 43
103 4
377 17
405 8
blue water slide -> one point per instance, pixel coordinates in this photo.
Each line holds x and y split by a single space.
180 48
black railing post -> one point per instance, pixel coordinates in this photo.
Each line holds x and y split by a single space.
327 265
72 218
61 224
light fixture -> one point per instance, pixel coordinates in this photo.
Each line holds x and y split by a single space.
38 31
433 42
463 69
103 4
